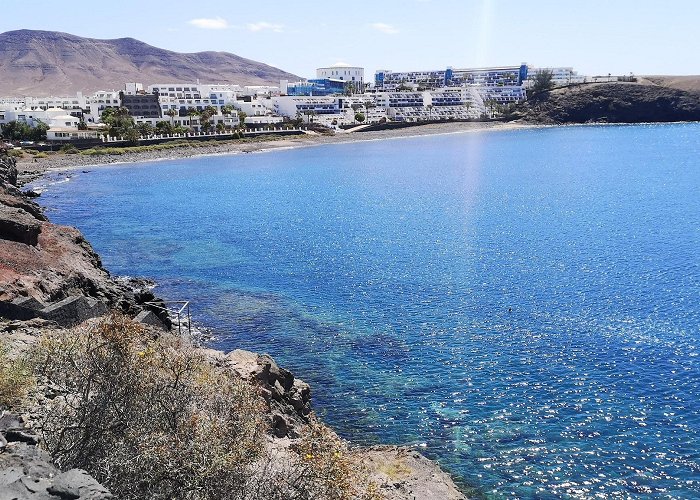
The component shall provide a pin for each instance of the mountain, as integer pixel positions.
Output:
(43, 63)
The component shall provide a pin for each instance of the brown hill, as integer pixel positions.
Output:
(42, 63)
(612, 103)
(685, 82)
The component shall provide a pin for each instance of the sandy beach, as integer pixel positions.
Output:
(31, 168)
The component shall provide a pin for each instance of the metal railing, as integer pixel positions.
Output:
(175, 312)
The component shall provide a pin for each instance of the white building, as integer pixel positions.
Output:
(76, 103)
(347, 73)
(133, 88)
(100, 101)
(502, 84)
(31, 117)
(260, 91)
(64, 134)
(257, 121)
(561, 77)
(251, 107)
(306, 106)
(53, 117)
(446, 103)
(182, 96)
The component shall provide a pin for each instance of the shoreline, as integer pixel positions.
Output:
(32, 169)
(62, 257)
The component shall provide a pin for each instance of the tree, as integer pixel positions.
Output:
(120, 122)
(205, 117)
(172, 114)
(359, 117)
(16, 131)
(227, 110)
(145, 129)
(131, 135)
(542, 82)
(39, 131)
(492, 105)
(164, 128)
(22, 131)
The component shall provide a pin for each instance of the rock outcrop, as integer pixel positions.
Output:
(50, 271)
(288, 398)
(27, 472)
(402, 472)
(612, 103)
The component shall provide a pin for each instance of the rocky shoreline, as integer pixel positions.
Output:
(47, 265)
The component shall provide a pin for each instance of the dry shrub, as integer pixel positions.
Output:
(151, 418)
(16, 379)
(328, 469)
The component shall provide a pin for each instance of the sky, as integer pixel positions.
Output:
(596, 37)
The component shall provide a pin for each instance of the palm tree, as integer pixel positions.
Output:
(192, 112)
(171, 113)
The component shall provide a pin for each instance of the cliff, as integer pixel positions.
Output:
(612, 103)
(41, 63)
(41, 263)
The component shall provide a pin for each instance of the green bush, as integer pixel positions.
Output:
(69, 149)
(91, 152)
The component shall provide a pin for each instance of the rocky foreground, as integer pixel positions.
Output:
(51, 279)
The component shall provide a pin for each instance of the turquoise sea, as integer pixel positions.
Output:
(523, 306)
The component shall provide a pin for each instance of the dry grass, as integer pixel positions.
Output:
(395, 470)
(151, 418)
(16, 379)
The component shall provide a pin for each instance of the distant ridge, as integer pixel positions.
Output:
(643, 102)
(42, 63)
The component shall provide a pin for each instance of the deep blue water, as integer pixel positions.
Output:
(523, 304)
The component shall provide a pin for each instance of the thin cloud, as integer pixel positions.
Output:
(216, 23)
(265, 26)
(387, 29)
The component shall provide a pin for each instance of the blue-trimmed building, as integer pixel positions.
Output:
(316, 87)
(426, 80)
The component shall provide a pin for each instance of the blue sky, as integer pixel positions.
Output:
(594, 36)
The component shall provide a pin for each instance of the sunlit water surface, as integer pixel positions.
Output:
(523, 305)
